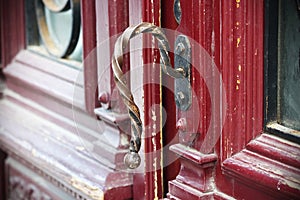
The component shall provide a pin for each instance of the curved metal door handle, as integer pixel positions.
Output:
(132, 159)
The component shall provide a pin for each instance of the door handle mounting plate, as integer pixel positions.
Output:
(183, 92)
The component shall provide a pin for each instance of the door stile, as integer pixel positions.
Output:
(112, 18)
(196, 147)
(89, 56)
(145, 70)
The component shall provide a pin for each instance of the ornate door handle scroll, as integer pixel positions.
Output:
(132, 159)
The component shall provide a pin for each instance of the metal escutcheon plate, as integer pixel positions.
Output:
(183, 92)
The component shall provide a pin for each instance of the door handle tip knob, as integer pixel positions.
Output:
(132, 160)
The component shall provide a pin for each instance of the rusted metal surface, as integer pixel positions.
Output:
(182, 60)
(132, 159)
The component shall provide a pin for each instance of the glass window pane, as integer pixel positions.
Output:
(289, 69)
(54, 29)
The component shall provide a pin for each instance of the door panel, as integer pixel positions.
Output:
(231, 34)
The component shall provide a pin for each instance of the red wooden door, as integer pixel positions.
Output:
(224, 147)
(221, 134)
(227, 77)
(220, 139)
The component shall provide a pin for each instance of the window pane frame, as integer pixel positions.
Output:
(271, 67)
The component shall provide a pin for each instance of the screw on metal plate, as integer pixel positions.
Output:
(183, 93)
